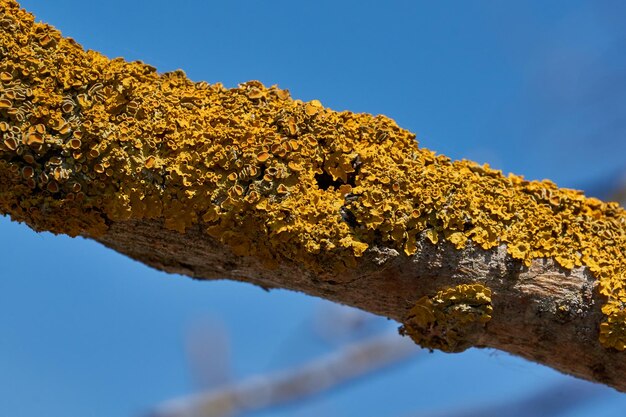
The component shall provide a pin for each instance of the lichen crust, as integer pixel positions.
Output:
(86, 141)
(449, 320)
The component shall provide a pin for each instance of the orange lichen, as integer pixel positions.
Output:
(109, 140)
(446, 320)
(613, 328)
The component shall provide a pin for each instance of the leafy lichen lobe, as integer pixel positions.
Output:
(451, 319)
(86, 141)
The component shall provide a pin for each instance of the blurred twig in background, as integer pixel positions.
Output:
(552, 401)
(264, 391)
(337, 324)
(208, 349)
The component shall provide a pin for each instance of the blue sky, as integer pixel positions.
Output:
(537, 88)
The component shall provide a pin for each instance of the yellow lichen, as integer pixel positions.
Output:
(448, 320)
(86, 140)
(613, 328)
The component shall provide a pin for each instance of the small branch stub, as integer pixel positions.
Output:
(450, 320)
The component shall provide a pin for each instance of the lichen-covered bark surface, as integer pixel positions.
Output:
(249, 184)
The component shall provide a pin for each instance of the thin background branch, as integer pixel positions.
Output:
(265, 391)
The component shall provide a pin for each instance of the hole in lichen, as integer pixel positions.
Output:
(351, 179)
(262, 169)
(356, 164)
(325, 181)
(348, 217)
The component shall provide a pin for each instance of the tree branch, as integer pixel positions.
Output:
(553, 400)
(279, 388)
(251, 185)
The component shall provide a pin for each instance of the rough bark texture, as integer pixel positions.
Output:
(544, 312)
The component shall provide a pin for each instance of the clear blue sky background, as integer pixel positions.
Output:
(533, 87)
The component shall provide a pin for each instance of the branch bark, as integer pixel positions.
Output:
(250, 185)
(543, 312)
